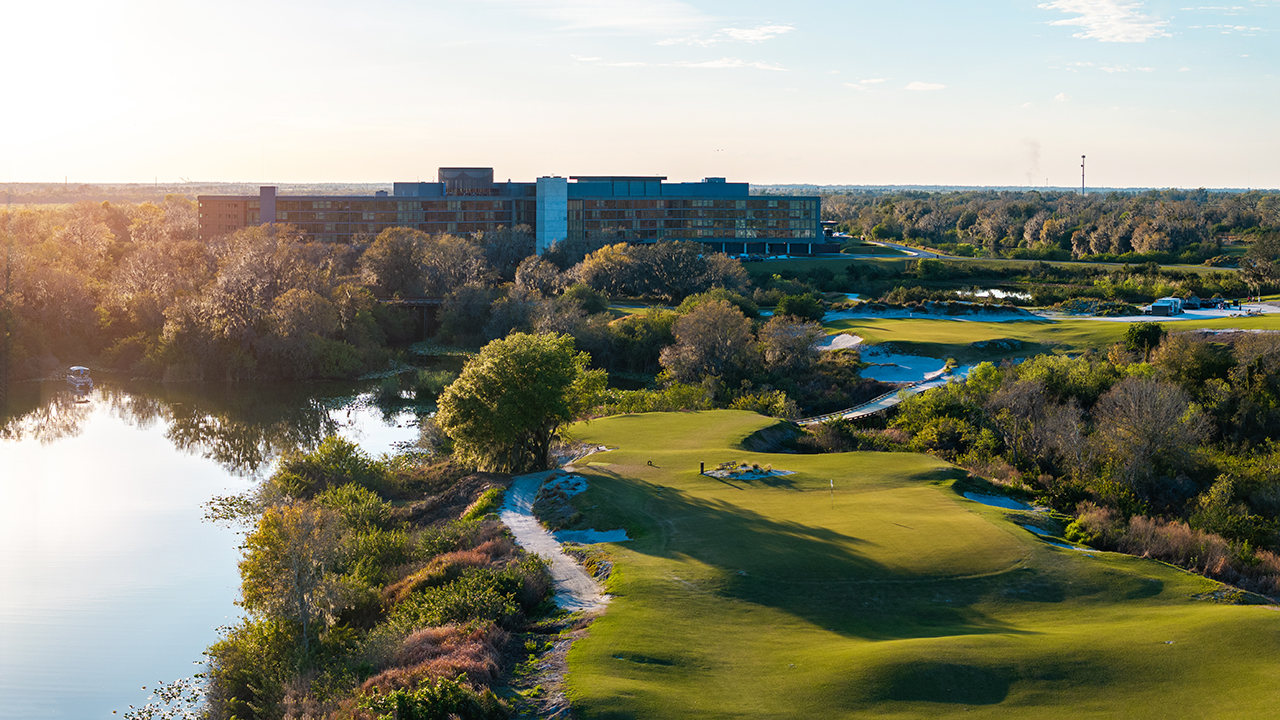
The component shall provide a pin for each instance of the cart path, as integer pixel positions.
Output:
(575, 589)
(884, 402)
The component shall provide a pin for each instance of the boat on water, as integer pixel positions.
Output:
(78, 378)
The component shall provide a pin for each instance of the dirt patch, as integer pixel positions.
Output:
(540, 675)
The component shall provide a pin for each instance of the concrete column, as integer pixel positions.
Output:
(266, 204)
(553, 212)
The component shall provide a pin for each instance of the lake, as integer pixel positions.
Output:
(110, 580)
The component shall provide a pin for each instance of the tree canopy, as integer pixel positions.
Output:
(505, 408)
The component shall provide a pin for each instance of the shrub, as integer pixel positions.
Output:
(336, 461)
(746, 305)
(806, 307)
(488, 502)
(444, 698)
(371, 554)
(442, 569)
(674, 397)
(456, 535)
(428, 384)
(592, 301)
(476, 596)
(774, 403)
(360, 507)
(1101, 527)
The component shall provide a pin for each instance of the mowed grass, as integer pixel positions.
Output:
(942, 338)
(891, 596)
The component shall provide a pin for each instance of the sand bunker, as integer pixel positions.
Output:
(999, 501)
(838, 342)
(888, 366)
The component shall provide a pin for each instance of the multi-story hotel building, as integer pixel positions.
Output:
(639, 209)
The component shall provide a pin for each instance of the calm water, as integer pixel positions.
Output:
(109, 578)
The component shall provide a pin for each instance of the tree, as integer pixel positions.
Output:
(286, 560)
(804, 307)
(611, 269)
(1146, 428)
(505, 408)
(1260, 267)
(1143, 337)
(394, 260)
(714, 340)
(789, 345)
(449, 263)
(535, 273)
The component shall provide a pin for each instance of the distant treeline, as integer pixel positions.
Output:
(69, 193)
(1187, 225)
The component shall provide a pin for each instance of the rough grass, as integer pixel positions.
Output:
(892, 596)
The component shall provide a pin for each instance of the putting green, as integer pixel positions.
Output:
(891, 595)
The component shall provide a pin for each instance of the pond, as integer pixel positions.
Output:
(993, 293)
(110, 580)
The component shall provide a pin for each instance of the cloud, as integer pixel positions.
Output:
(872, 81)
(917, 85)
(729, 63)
(1108, 20)
(1232, 29)
(1185, 69)
(614, 16)
(749, 35)
(725, 63)
(579, 58)
(758, 34)
(1027, 105)
(1062, 97)
(1125, 68)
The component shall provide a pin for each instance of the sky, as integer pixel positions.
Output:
(1006, 92)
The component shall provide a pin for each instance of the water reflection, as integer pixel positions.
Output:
(107, 573)
(241, 427)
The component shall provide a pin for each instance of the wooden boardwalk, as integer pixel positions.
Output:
(885, 401)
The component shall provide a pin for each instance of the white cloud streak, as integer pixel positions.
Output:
(1109, 20)
(615, 16)
(724, 63)
(749, 35)
(917, 85)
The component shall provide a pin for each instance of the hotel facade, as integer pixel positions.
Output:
(638, 209)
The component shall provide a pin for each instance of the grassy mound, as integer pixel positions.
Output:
(891, 595)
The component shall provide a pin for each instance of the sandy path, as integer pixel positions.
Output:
(575, 589)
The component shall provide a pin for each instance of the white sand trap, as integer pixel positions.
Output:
(999, 501)
(838, 342)
(591, 537)
(888, 366)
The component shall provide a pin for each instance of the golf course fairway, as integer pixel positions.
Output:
(890, 596)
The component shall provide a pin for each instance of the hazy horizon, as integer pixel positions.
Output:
(1006, 94)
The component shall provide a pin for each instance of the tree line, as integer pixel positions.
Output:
(1166, 225)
